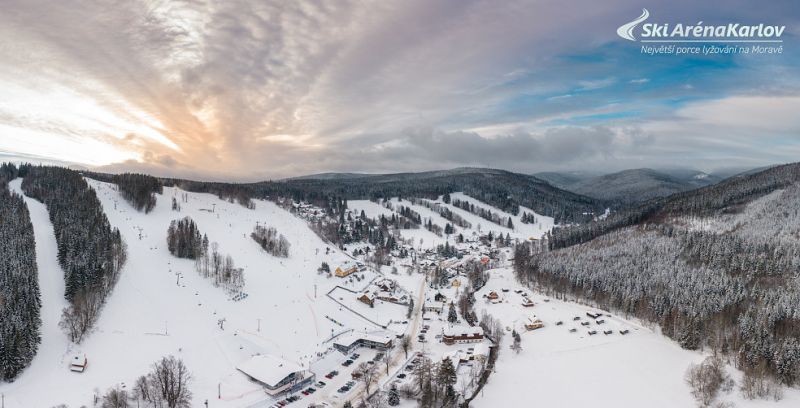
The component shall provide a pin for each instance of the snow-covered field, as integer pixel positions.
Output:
(557, 368)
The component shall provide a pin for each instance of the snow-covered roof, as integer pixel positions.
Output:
(481, 349)
(348, 339)
(463, 330)
(268, 369)
(348, 265)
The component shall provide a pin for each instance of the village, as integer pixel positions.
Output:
(417, 303)
(336, 324)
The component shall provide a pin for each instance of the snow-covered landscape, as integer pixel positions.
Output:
(415, 204)
(293, 315)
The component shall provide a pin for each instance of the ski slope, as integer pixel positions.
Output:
(54, 350)
(161, 306)
(422, 238)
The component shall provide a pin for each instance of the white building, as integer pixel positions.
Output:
(275, 374)
(375, 340)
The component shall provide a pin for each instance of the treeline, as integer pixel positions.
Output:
(501, 189)
(484, 213)
(270, 241)
(139, 189)
(407, 212)
(185, 241)
(443, 211)
(242, 194)
(568, 235)
(90, 251)
(20, 301)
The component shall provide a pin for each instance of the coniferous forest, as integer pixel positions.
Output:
(184, 240)
(716, 268)
(139, 189)
(90, 251)
(19, 286)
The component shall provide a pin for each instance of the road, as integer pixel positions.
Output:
(398, 357)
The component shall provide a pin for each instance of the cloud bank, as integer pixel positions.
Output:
(251, 90)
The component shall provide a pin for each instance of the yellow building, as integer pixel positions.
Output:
(346, 269)
(456, 283)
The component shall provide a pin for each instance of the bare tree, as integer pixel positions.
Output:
(367, 373)
(170, 378)
(706, 379)
(115, 398)
(386, 359)
(405, 343)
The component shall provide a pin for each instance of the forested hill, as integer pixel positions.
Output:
(502, 189)
(726, 196)
(637, 185)
(716, 267)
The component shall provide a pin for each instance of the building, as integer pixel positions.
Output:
(375, 340)
(534, 324)
(367, 298)
(346, 269)
(456, 283)
(462, 334)
(275, 374)
(527, 303)
(493, 295)
(78, 363)
(386, 285)
(434, 307)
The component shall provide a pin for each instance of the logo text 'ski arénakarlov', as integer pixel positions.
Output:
(699, 38)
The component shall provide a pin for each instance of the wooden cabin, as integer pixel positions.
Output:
(534, 324)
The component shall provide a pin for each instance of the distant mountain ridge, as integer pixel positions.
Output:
(503, 189)
(631, 186)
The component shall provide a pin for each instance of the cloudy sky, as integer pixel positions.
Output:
(250, 90)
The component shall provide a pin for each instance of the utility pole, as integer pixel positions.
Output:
(259, 324)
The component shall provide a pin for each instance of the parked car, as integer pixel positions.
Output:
(401, 375)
